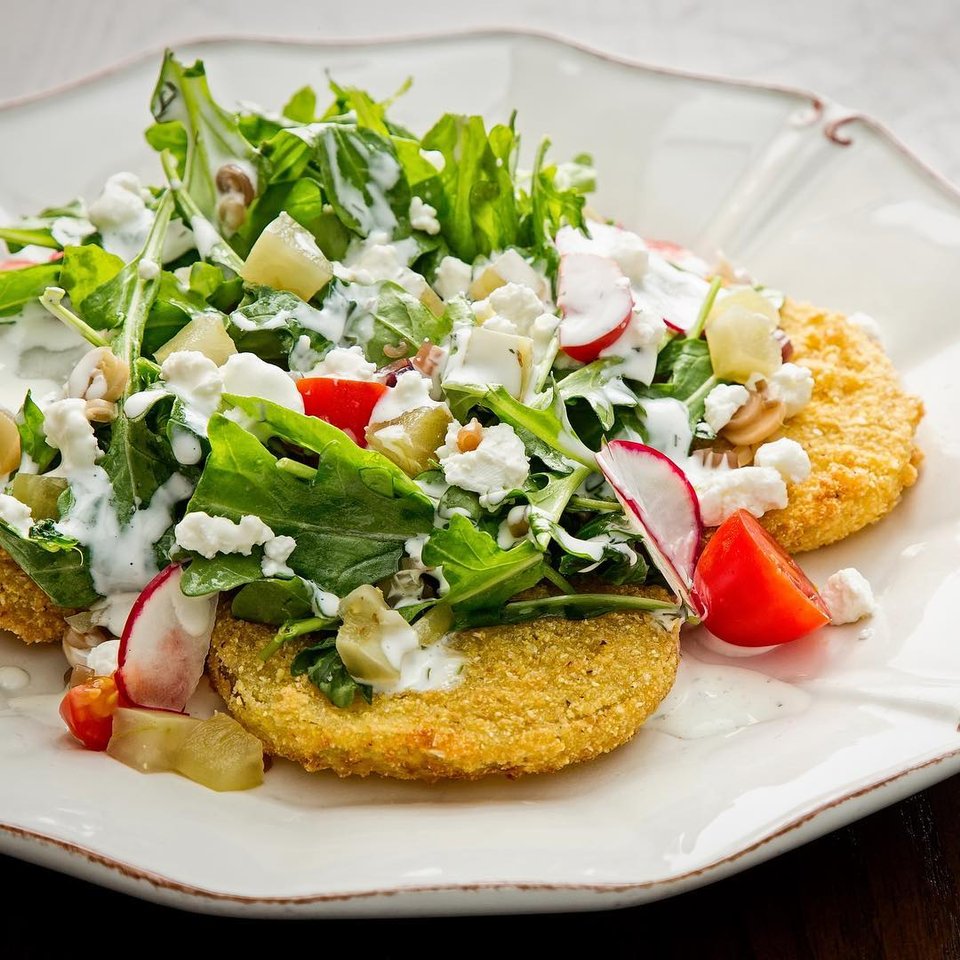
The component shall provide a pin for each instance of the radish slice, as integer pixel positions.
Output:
(595, 299)
(165, 643)
(657, 497)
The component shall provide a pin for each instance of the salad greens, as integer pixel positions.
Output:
(511, 499)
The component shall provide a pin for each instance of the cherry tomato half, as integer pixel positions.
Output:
(346, 404)
(88, 710)
(753, 592)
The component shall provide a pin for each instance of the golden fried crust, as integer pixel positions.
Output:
(25, 609)
(534, 697)
(858, 431)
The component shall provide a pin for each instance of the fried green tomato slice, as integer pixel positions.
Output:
(25, 609)
(858, 430)
(534, 697)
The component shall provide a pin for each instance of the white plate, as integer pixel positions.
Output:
(822, 204)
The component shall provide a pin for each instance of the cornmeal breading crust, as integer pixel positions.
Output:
(858, 431)
(534, 697)
(25, 609)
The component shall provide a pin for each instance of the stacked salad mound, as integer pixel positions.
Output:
(371, 389)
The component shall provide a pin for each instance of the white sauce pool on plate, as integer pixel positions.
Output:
(709, 700)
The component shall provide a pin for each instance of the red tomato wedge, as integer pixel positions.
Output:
(88, 710)
(346, 404)
(753, 592)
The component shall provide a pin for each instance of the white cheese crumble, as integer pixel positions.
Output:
(848, 596)
(208, 535)
(722, 402)
(67, 428)
(148, 269)
(410, 393)
(512, 308)
(345, 363)
(866, 323)
(785, 456)
(453, 277)
(423, 217)
(722, 491)
(86, 380)
(122, 216)
(194, 379)
(793, 385)
(498, 465)
(15, 514)
(246, 375)
(103, 658)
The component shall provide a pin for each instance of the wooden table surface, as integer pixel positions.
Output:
(886, 888)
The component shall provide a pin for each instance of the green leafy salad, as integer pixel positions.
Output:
(368, 385)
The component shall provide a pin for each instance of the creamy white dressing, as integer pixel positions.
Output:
(122, 558)
(37, 353)
(711, 700)
(668, 427)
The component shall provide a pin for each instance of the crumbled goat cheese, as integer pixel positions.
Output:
(453, 277)
(848, 596)
(197, 382)
(67, 428)
(513, 308)
(722, 491)
(103, 658)
(15, 514)
(148, 270)
(793, 385)
(276, 552)
(498, 465)
(246, 375)
(722, 402)
(868, 325)
(423, 217)
(785, 456)
(345, 363)
(410, 393)
(209, 535)
(121, 215)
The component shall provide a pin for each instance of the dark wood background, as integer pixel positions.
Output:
(886, 888)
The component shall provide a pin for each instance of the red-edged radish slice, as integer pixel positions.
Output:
(165, 643)
(596, 304)
(658, 499)
(673, 327)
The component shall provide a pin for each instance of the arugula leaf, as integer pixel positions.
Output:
(199, 133)
(400, 319)
(85, 269)
(579, 606)
(477, 209)
(479, 572)
(171, 310)
(272, 321)
(33, 440)
(302, 106)
(362, 178)
(62, 573)
(684, 372)
(225, 571)
(600, 387)
(273, 601)
(19, 287)
(350, 521)
(552, 205)
(544, 429)
(302, 199)
(325, 670)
